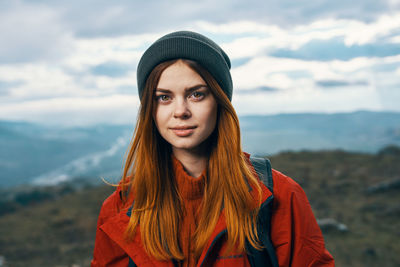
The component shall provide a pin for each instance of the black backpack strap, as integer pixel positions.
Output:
(264, 171)
(131, 263)
(267, 256)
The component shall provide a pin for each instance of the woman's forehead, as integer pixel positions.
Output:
(179, 75)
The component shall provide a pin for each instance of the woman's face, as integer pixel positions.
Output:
(186, 110)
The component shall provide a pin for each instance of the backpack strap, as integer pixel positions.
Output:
(267, 256)
(131, 263)
(264, 171)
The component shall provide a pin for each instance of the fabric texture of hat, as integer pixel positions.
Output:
(187, 45)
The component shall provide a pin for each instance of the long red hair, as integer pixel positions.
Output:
(148, 175)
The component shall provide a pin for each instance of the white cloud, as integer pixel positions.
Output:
(268, 37)
(274, 72)
(238, 28)
(113, 109)
(362, 33)
(70, 76)
(253, 46)
(94, 51)
(40, 81)
(112, 83)
(32, 32)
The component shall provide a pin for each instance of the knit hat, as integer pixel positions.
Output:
(187, 45)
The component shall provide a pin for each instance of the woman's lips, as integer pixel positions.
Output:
(183, 131)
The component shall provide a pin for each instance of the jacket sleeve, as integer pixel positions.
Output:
(295, 234)
(106, 251)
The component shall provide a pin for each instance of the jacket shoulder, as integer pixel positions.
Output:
(289, 195)
(295, 232)
(106, 251)
(283, 184)
(112, 205)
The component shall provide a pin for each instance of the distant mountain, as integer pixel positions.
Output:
(360, 131)
(31, 153)
(40, 154)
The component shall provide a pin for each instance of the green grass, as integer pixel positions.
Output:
(336, 184)
(53, 233)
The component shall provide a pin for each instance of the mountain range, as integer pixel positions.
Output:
(41, 154)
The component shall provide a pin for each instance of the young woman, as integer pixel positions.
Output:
(189, 195)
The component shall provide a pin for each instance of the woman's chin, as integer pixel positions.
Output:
(184, 147)
(188, 147)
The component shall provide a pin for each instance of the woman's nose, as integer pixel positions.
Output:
(181, 109)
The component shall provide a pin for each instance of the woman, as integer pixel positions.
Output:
(189, 196)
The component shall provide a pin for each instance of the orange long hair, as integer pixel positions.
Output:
(148, 175)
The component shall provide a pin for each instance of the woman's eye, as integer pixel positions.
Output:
(162, 98)
(198, 95)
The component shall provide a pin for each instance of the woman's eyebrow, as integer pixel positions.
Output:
(196, 87)
(163, 90)
(189, 89)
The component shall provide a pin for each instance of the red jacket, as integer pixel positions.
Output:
(295, 235)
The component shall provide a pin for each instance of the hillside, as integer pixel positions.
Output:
(355, 196)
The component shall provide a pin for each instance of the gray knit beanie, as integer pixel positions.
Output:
(187, 45)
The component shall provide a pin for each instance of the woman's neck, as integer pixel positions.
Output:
(193, 162)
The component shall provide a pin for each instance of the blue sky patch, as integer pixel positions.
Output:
(326, 50)
(6, 86)
(340, 83)
(111, 69)
(239, 62)
(265, 89)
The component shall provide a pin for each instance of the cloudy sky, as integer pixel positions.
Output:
(74, 62)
